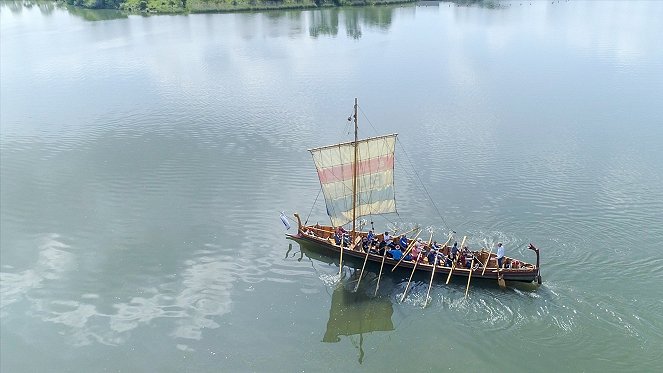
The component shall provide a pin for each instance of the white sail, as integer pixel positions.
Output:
(375, 177)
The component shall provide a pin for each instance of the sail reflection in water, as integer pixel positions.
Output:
(355, 313)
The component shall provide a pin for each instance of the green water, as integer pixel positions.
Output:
(145, 161)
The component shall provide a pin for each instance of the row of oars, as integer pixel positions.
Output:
(430, 284)
(384, 255)
(366, 259)
(415, 268)
(453, 264)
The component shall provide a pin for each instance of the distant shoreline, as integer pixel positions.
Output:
(218, 6)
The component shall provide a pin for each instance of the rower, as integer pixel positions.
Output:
(388, 240)
(370, 237)
(403, 241)
(365, 244)
(432, 254)
(454, 251)
(395, 253)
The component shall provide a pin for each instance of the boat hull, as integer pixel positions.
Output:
(325, 247)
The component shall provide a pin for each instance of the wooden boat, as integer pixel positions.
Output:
(357, 180)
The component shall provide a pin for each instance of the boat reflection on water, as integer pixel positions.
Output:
(356, 313)
(353, 313)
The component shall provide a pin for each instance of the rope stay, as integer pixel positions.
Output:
(423, 185)
(314, 202)
(407, 156)
(410, 174)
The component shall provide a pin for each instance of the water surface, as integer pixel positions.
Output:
(145, 160)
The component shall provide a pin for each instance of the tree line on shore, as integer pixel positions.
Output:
(182, 6)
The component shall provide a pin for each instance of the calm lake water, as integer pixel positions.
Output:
(145, 161)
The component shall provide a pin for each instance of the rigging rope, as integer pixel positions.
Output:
(314, 202)
(413, 170)
(423, 185)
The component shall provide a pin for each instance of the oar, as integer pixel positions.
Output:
(377, 286)
(411, 230)
(384, 255)
(453, 265)
(469, 277)
(487, 261)
(474, 253)
(320, 230)
(500, 280)
(415, 268)
(448, 240)
(357, 242)
(340, 263)
(430, 284)
(500, 274)
(362, 269)
(412, 274)
(409, 247)
(430, 239)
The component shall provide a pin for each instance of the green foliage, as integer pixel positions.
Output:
(96, 4)
(179, 6)
(153, 6)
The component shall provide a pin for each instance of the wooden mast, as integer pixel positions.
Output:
(354, 181)
(354, 198)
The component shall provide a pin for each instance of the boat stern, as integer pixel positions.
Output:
(538, 267)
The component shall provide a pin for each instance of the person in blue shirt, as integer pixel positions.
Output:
(370, 236)
(337, 238)
(404, 241)
(395, 253)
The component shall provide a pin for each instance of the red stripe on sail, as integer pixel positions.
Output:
(365, 167)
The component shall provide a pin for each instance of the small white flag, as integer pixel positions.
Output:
(284, 219)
